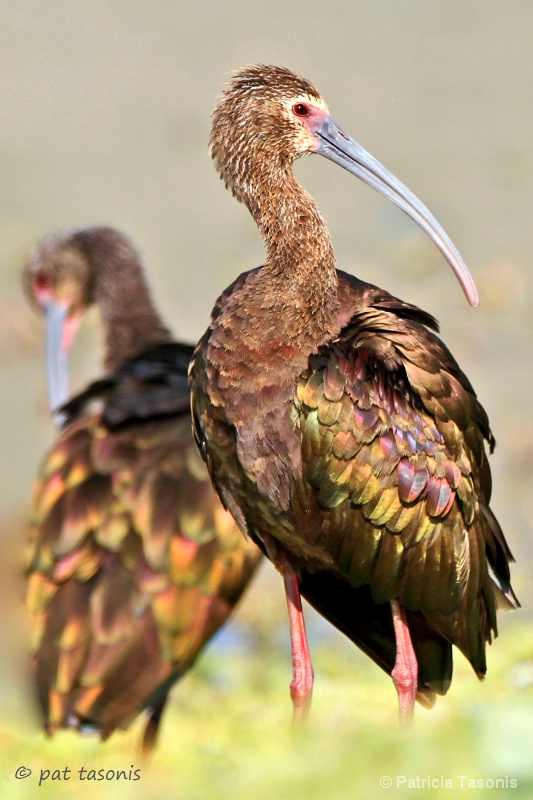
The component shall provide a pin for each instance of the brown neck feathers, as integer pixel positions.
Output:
(130, 321)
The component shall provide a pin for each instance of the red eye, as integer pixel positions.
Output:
(42, 283)
(42, 288)
(301, 110)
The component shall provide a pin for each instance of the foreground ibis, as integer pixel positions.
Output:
(338, 429)
(134, 563)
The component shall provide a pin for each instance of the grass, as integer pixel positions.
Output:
(228, 734)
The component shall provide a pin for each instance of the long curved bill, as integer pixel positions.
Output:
(339, 147)
(56, 359)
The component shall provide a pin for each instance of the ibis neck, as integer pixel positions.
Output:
(299, 278)
(130, 321)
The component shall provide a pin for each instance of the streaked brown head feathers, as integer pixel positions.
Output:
(253, 117)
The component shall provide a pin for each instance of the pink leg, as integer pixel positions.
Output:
(405, 672)
(302, 669)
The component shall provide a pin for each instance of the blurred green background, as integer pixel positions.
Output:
(105, 119)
